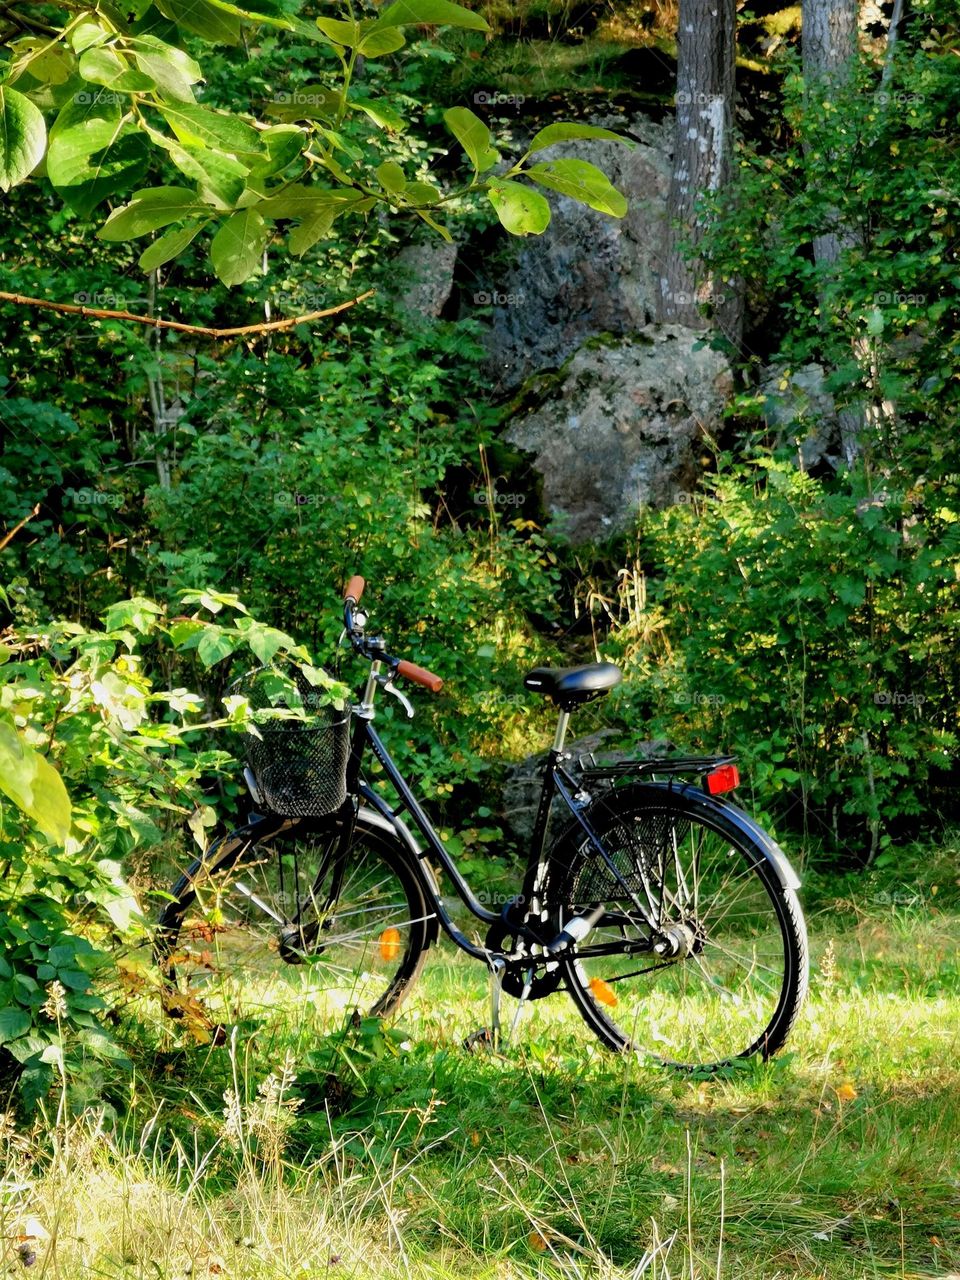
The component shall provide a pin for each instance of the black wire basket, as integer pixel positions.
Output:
(299, 765)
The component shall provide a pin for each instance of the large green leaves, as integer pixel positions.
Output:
(193, 124)
(431, 12)
(173, 70)
(206, 20)
(149, 211)
(520, 209)
(23, 136)
(474, 136)
(14, 1022)
(95, 150)
(33, 784)
(168, 246)
(583, 181)
(567, 130)
(237, 249)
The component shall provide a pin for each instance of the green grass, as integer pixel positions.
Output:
(838, 1160)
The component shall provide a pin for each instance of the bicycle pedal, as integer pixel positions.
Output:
(480, 1039)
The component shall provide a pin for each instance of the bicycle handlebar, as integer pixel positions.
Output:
(419, 675)
(409, 670)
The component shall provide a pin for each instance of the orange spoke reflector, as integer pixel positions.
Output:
(390, 944)
(603, 993)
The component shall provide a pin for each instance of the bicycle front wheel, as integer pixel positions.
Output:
(286, 924)
(735, 985)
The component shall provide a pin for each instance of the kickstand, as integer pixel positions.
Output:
(497, 967)
(527, 984)
(489, 1037)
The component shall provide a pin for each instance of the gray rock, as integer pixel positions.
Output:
(618, 428)
(424, 275)
(588, 273)
(798, 405)
(520, 794)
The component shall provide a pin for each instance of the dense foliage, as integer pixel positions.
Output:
(803, 607)
(800, 608)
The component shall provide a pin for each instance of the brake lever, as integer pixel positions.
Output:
(390, 687)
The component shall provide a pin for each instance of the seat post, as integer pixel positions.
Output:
(560, 735)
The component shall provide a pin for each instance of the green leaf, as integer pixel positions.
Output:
(138, 612)
(301, 201)
(282, 21)
(205, 20)
(33, 784)
(168, 246)
(173, 70)
(520, 209)
(149, 211)
(86, 34)
(390, 176)
(433, 12)
(311, 230)
(379, 41)
(102, 66)
(422, 193)
(199, 125)
(222, 177)
(23, 136)
(266, 641)
(41, 59)
(13, 1023)
(342, 33)
(237, 248)
(215, 645)
(581, 181)
(94, 152)
(284, 142)
(474, 136)
(383, 116)
(106, 67)
(565, 130)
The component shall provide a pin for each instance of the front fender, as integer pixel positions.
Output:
(379, 817)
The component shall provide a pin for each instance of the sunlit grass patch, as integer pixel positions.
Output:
(836, 1161)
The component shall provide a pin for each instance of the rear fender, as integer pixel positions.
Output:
(732, 813)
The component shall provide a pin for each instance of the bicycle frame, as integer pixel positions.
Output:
(556, 782)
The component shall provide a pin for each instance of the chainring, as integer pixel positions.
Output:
(545, 981)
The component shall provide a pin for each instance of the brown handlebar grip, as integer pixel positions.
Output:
(354, 589)
(419, 675)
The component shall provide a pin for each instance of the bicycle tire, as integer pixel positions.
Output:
(752, 966)
(218, 943)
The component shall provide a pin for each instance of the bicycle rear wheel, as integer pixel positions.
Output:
(737, 984)
(277, 924)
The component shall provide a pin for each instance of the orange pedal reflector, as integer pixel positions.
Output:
(602, 991)
(390, 944)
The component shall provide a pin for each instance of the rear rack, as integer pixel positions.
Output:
(590, 770)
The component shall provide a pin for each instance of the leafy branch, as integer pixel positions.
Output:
(120, 99)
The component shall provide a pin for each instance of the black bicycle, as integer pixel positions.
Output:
(665, 912)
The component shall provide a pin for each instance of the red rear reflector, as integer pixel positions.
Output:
(723, 778)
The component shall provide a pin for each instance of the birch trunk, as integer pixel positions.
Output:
(702, 159)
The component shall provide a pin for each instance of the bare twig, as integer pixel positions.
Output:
(100, 314)
(8, 538)
(26, 23)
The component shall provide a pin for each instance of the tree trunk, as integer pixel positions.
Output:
(829, 38)
(702, 156)
(829, 42)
